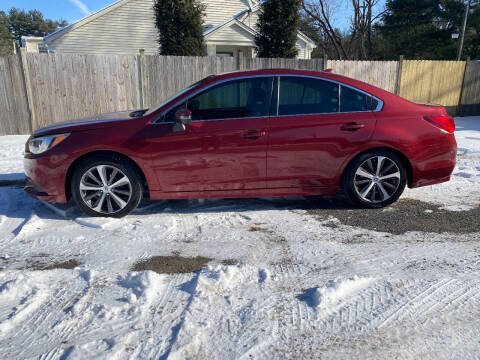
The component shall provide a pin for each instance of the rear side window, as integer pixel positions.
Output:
(307, 96)
(354, 101)
(233, 100)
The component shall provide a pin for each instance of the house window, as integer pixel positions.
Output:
(225, 54)
(42, 48)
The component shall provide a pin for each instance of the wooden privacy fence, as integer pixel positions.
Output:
(14, 114)
(383, 74)
(68, 87)
(165, 76)
(42, 89)
(433, 82)
(470, 103)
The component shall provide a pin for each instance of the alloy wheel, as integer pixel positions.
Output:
(105, 189)
(377, 179)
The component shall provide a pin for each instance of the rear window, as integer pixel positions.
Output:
(354, 101)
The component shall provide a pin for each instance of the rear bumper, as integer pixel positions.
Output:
(45, 178)
(430, 182)
(434, 164)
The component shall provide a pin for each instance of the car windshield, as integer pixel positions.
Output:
(155, 108)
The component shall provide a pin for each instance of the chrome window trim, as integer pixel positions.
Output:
(156, 121)
(339, 98)
(378, 108)
(278, 95)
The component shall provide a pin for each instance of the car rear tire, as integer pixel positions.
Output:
(375, 179)
(106, 186)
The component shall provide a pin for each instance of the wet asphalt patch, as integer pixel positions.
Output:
(37, 265)
(404, 216)
(39, 262)
(171, 264)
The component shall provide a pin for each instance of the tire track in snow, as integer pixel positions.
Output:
(455, 299)
(190, 287)
(25, 334)
(413, 306)
(219, 315)
(165, 316)
(81, 317)
(421, 304)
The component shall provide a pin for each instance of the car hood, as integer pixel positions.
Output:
(96, 122)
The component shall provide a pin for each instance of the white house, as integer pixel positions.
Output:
(33, 44)
(128, 25)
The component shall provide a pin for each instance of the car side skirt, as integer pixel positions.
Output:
(250, 193)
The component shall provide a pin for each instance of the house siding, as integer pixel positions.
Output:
(218, 11)
(250, 19)
(231, 34)
(127, 27)
(123, 30)
(302, 51)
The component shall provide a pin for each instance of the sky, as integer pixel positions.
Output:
(70, 10)
(73, 10)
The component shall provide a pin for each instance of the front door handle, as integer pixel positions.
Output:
(352, 126)
(253, 134)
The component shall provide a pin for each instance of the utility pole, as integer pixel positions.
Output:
(464, 27)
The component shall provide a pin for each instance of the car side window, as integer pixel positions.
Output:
(355, 101)
(300, 95)
(233, 100)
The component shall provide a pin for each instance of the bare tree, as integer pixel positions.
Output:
(321, 12)
(362, 22)
(357, 44)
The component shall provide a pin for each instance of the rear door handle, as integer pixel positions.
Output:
(253, 134)
(352, 126)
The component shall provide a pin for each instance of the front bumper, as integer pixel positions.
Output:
(45, 178)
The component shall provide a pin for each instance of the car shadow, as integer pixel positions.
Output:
(14, 179)
(243, 205)
(412, 215)
(17, 204)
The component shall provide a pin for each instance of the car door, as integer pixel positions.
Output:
(318, 123)
(225, 146)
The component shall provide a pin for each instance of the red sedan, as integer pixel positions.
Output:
(258, 133)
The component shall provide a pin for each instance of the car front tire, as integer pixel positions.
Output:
(106, 186)
(375, 179)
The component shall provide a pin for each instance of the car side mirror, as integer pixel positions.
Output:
(178, 127)
(183, 116)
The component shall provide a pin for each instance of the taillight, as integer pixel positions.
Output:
(446, 123)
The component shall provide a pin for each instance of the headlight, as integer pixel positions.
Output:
(41, 144)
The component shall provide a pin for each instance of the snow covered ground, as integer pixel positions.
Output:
(11, 156)
(288, 278)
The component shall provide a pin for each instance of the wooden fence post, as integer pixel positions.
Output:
(459, 110)
(240, 62)
(399, 75)
(143, 79)
(325, 62)
(22, 58)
